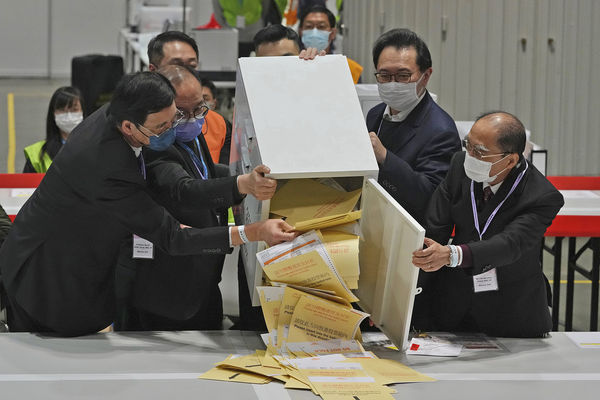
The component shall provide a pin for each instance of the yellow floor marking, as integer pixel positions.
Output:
(10, 160)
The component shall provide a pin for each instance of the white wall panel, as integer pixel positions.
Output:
(83, 27)
(24, 32)
(496, 54)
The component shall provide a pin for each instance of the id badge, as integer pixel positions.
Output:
(142, 248)
(485, 282)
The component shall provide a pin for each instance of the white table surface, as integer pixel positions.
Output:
(153, 365)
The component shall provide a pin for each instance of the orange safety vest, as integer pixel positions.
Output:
(214, 131)
(355, 69)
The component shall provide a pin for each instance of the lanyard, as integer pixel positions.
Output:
(198, 161)
(491, 217)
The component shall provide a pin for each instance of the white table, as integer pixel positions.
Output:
(166, 364)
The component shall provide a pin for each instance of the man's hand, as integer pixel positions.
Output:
(272, 231)
(256, 184)
(378, 148)
(311, 53)
(434, 257)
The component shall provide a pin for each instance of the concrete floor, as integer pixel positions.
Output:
(31, 97)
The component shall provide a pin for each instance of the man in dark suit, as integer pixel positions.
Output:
(58, 262)
(196, 192)
(412, 137)
(490, 279)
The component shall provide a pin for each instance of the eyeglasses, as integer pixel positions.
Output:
(179, 116)
(477, 152)
(385, 77)
(198, 113)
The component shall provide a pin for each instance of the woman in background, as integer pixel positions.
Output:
(64, 114)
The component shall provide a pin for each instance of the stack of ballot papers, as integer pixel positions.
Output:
(332, 376)
(308, 204)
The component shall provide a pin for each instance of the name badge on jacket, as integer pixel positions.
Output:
(485, 282)
(142, 248)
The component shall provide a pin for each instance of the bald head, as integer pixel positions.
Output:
(188, 89)
(504, 129)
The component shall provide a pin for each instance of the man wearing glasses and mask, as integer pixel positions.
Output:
(489, 280)
(197, 192)
(412, 137)
(58, 262)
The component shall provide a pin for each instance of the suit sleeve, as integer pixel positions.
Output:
(168, 177)
(125, 198)
(438, 221)
(413, 187)
(519, 235)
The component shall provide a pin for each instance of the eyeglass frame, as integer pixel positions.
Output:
(476, 152)
(177, 118)
(395, 77)
(203, 106)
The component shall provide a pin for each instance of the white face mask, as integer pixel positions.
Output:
(68, 121)
(399, 96)
(479, 170)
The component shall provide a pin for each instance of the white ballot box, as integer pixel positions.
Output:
(303, 119)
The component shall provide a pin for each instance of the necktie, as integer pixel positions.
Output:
(142, 165)
(487, 194)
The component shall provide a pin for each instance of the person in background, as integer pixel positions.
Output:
(209, 93)
(317, 30)
(177, 48)
(489, 279)
(64, 114)
(276, 40)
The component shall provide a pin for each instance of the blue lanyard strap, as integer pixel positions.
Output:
(198, 161)
(491, 217)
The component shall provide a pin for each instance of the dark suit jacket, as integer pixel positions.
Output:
(59, 259)
(511, 244)
(176, 184)
(418, 154)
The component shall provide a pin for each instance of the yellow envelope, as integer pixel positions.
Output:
(326, 222)
(309, 270)
(270, 301)
(352, 391)
(288, 303)
(315, 319)
(223, 374)
(294, 383)
(343, 249)
(304, 199)
(389, 371)
(250, 363)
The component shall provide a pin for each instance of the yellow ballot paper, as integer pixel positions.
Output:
(309, 270)
(270, 301)
(288, 304)
(388, 372)
(228, 375)
(343, 249)
(304, 199)
(327, 222)
(250, 363)
(315, 319)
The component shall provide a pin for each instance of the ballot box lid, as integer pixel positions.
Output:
(388, 280)
(305, 115)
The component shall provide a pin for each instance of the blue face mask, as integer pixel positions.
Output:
(162, 142)
(316, 38)
(189, 130)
